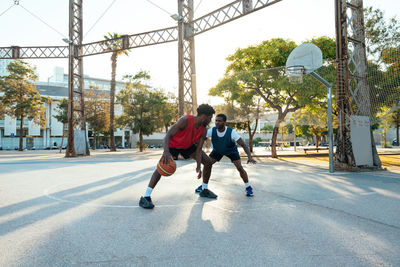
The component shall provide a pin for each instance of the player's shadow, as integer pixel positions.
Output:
(67, 199)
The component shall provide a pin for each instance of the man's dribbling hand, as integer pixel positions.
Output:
(166, 157)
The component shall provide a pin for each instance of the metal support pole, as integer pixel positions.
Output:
(330, 128)
(75, 82)
(181, 97)
(187, 93)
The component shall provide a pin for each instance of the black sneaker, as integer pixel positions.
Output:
(198, 189)
(207, 193)
(146, 203)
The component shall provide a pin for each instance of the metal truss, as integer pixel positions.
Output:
(228, 13)
(132, 41)
(128, 42)
(76, 103)
(186, 59)
(15, 52)
(188, 28)
(184, 34)
(352, 86)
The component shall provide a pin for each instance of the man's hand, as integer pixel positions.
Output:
(166, 157)
(251, 160)
(198, 170)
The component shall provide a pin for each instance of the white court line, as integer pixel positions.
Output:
(51, 196)
(208, 203)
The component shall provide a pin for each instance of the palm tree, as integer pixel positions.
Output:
(112, 43)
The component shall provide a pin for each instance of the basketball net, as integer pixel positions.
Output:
(295, 74)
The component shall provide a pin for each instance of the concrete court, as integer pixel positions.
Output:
(57, 211)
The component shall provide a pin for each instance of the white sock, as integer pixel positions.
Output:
(246, 184)
(148, 192)
(204, 186)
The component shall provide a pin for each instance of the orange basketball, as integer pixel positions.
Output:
(166, 169)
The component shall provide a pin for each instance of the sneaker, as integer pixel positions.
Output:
(146, 203)
(198, 189)
(207, 193)
(249, 191)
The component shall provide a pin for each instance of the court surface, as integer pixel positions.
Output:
(57, 211)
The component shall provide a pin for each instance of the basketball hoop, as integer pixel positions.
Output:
(295, 74)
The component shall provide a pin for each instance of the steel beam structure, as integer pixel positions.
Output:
(184, 34)
(187, 94)
(76, 103)
(228, 13)
(16, 52)
(160, 36)
(352, 85)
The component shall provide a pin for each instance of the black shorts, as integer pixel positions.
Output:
(184, 152)
(233, 157)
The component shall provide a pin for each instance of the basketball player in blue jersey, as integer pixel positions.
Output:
(224, 139)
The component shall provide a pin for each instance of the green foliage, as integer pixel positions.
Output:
(257, 141)
(379, 32)
(256, 72)
(228, 109)
(97, 110)
(21, 99)
(268, 128)
(112, 43)
(62, 111)
(237, 125)
(327, 46)
(387, 145)
(2, 109)
(143, 108)
(311, 121)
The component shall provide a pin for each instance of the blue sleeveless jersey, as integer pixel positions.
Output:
(223, 145)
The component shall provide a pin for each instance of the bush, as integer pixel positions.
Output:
(144, 146)
(256, 141)
(388, 145)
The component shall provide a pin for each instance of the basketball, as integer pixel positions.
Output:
(166, 169)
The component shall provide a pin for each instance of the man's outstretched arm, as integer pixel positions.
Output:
(247, 150)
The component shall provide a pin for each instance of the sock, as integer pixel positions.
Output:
(148, 192)
(246, 184)
(204, 186)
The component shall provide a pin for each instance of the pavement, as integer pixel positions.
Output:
(57, 211)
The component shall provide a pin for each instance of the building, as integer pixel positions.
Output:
(36, 137)
(61, 78)
(3, 66)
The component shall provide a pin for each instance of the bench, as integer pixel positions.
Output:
(315, 149)
(279, 144)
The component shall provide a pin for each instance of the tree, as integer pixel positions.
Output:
(247, 102)
(21, 99)
(97, 107)
(2, 109)
(268, 128)
(316, 120)
(169, 111)
(394, 119)
(62, 116)
(257, 70)
(384, 121)
(141, 107)
(379, 32)
(228, 109)
(112, 43)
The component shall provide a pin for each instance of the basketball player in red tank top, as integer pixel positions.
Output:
(185, 137)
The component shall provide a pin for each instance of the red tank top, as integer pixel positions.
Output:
(187, 137)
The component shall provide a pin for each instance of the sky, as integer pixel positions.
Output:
(298, 20)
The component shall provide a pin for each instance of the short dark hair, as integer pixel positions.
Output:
(223, 116)
(205, 109)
